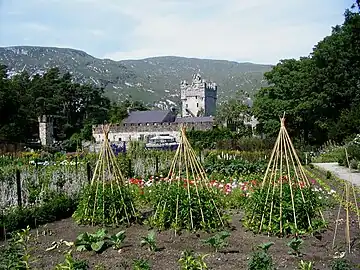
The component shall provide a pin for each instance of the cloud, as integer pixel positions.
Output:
(33, 26)
(262, 31)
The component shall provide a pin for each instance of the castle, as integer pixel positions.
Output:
(198, 110)
(198, 98)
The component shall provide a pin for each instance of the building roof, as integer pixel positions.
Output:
(143, 117)
(203, 119)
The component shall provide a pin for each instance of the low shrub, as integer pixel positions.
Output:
(279, 208)
(106, 204)
(60, 206)
(175, 209)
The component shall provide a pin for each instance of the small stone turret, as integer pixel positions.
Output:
(46, 130)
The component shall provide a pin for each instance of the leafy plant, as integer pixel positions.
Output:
(210, 206)
(141, 264)
(117, 239)
(260, 259)
(307, 206)
(295, 244)
(110, 204)
(149, 241)
(189, 261)
(91, 241)
(17, 255)
(72, 264)
(100, 266)
(218, 240)
(340, 264)
(303, 265)
(60, 206)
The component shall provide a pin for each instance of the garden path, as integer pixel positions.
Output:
(341, 172)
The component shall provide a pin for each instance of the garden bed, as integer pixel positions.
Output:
(235, 256)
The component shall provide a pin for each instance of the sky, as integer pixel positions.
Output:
(258, 31)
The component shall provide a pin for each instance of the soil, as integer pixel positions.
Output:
(234, 256)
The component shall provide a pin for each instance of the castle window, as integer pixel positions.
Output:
(187, 105)
(119, 139)
(197, 105)
(195, 97)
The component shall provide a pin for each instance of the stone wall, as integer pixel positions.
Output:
(142, 132)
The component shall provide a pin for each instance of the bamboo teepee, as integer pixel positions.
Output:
(188, 201)
(107, 200)
(349, 204)
(283, 191)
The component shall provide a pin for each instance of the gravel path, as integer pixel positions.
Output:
(340, 172)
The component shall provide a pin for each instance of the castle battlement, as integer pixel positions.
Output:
(199, 97)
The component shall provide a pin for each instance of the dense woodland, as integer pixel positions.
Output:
(75, 107)
(320, 94)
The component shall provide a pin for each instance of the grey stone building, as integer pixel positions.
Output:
(199, 97)
(143, 125)
(198, 108)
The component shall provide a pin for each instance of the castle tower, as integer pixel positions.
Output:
(46, 130)
(198, 98)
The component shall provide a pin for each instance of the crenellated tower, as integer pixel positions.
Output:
(198, 98)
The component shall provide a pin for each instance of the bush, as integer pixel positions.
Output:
(59, 207)
(256, 210)
(173, 206)
(105, 204)
(234, 167)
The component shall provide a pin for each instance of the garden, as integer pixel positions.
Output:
(183, 209)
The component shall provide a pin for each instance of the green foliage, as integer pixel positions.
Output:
(332, 155)
(303, 265)
(295, 244)
(319, 93)
(307, 206)
(24, 99)
(245, 143)
(341, 264)
(208, 139)
(59, 207)
(141, 264)
(91, 241)
(17, 254)
(149, 241)
(71, 264)
(117, 239)
(252, 156)
(189, 261)
(217, 241)
(167, 195)
(260, 259)
(234, 167)
(105, 204)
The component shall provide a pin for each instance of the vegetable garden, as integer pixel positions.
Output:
(177, 210)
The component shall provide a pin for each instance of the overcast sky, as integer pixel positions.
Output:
(259, 31)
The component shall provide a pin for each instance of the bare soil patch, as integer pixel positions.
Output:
(235, 256)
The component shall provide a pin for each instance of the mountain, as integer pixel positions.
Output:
(153, 80)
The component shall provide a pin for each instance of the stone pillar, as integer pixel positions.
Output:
(46, 130)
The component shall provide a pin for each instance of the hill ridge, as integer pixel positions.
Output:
(154, 80)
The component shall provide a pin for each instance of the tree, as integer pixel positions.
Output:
(315, 91)
(233, 112)
(23, 99)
